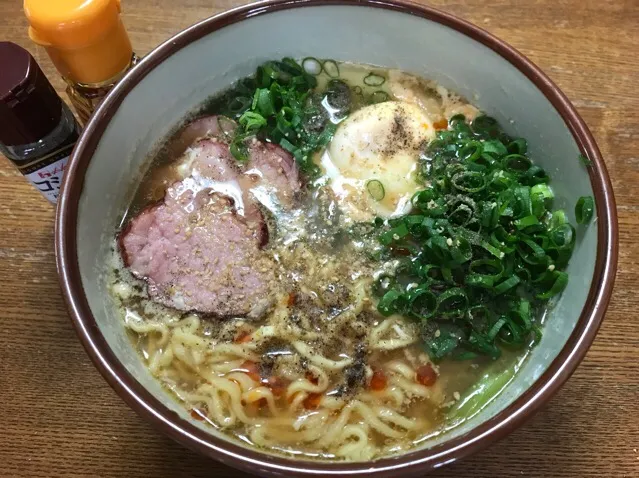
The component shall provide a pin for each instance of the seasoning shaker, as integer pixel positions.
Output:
(87, 43)
(37, 129)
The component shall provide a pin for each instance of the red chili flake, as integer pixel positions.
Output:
(441, 124)
(243, 337)
(250, 368)
(312, 401)
(277, 385)
(312, 378)
(378, 380)
(426, 375)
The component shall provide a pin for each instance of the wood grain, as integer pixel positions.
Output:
(58, 417)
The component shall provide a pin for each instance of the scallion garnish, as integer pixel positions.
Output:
(238, 148)
(376, 189)
(330, 68)
(482, 247)
(279, 104)
(373, 79)
(252, 121)
(239, 104)
(584, 209)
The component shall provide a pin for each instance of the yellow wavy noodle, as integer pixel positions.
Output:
(393, 333)
(305, 385)
(393, 396)
(221, 368)
(224, 352)
(355, 443)
(319, 360)
(332, 431)
(206, 373)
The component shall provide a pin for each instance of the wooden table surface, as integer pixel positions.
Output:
(58, 417)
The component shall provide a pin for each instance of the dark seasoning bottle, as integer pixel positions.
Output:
(37, 129)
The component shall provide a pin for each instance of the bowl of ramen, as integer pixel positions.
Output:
(371, 254)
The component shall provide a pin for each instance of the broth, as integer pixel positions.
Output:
(322, 373)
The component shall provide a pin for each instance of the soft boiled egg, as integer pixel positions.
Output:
(377, 145)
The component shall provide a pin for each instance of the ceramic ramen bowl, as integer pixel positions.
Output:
(206, 58)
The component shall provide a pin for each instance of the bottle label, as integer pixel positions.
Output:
(46, 173)
(47, 180)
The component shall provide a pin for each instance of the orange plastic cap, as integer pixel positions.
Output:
(85, 38)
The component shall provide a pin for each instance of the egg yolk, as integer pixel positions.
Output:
(380, 142)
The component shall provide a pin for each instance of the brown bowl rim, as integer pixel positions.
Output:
(419, 461)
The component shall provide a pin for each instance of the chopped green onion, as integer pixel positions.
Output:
(252, 121)
(516, 163)
(517, 146)
(238, 149)
(239, 104)
(559, 284)
(376, 189)
(470, 151)
(373, 79)
(443, 343)
(558, 218)
(452, 302)
(526, 222)
(584, 209)
(493, 250)
(330, 68)
(262, 102)
(390, 303)
(562, 236)
(278, 104)
(288, 146)
(485, 127)
(469, 181)
(394, 234)
(495, 147)
(507, 284)
(541, 197)
(422, 303)
(545, 191)
(481, 241)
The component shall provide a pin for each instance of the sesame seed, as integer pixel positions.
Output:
(551, 267)
(438, 333)
(456, 396)
(449, 241)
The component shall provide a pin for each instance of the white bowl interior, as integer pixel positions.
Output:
(357, 34)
